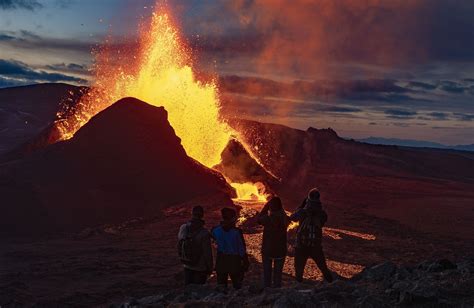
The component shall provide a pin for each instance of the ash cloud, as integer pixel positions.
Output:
(373, 31)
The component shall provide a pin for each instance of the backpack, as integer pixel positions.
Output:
(309, 233)
(189, 248)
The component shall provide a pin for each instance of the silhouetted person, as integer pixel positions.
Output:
(232, 259)
(311, 218)
(194, 248)
(274, 244)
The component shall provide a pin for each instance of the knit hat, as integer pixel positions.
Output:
(314, 195)
(198, 212)
(228, 214)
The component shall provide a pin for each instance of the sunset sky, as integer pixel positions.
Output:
(400, 69)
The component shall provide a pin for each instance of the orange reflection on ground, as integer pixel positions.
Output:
(336, 234)
(346, 270)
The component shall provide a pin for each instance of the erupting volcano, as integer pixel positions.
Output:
(159, 71)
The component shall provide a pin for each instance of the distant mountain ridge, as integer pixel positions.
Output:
(416, 143)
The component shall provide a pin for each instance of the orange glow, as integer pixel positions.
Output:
(250, 191)
(158, 72)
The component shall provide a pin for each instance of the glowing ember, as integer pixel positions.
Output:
(158, 72)
(250, 191)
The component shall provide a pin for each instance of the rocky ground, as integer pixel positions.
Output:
(429, 284)
(134, 264)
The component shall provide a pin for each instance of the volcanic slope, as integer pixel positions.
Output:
(125, 162)
(25, 111)
(430, 190)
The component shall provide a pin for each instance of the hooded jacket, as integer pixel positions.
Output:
(195, 225)
(275, 224)
(310, 208)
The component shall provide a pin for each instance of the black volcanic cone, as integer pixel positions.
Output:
(126, 161)
(239, 166)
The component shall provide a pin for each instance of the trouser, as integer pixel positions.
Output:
(194, 277)
(272, 267)
(229, 266)
(316, 253)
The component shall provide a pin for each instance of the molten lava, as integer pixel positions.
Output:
(158, 72)
(250, 191)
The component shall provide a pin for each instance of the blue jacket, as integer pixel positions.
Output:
(230, 241)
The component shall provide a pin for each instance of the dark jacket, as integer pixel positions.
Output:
(314, 208)
(275, 224)
(205, 263)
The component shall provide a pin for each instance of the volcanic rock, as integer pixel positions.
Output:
(125, 162)
(422, 288)
(239, 166)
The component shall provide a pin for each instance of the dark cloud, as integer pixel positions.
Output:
(69, 68)
(341, 109)
(453, 87)
(373, 89)
(438, 115)
(463, 116)
(29, 35)
(6, 37)
(20, 4)
(400, 113)
(8, 82)
(15, 70)
(421, 85)
(28, 40)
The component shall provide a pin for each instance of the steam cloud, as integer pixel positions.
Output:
(308, 37)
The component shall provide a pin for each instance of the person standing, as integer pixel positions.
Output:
(274, 242)
(194, 249)
(231, 260)
(311, 218)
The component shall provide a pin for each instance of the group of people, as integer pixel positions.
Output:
(195, 244)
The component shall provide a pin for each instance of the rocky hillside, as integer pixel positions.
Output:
(125, 162)
(26, 111)
(428, 284)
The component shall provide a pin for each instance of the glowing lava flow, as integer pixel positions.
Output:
(159, 72)
(250, 191)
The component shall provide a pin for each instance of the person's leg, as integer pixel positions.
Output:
(222, 279)
(200, 277)
(317, 255)
(278, 271)
(188, 276)
(301, 257)
(237, 279)
(267, 272)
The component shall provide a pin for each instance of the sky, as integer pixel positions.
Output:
(396, 69)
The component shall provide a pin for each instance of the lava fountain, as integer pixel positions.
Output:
(158, 71)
